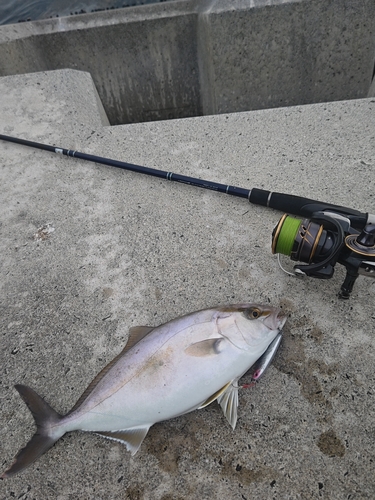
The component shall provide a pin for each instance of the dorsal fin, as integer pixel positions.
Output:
(135, 335)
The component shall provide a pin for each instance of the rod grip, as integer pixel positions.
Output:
(304, 207)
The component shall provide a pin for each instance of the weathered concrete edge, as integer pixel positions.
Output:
(9, 32)
(101, 111)
(138, 13)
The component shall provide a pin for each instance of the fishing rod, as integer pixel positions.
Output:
(327, 235)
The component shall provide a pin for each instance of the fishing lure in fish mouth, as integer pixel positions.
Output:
(163, 372)
(260, 366)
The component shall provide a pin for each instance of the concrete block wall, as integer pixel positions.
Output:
(266, 54)
(191, 57)
(143, 60)
(187, 58)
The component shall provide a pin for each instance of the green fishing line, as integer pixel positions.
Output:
(287, 235)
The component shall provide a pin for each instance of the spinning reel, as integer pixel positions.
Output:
(322, 241)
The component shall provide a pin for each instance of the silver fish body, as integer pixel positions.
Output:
(163, 372)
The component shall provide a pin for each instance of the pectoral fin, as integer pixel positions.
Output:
(207, 347)
(132, 438)
(228, 401)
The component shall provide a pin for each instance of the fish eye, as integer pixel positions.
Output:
(253, 313)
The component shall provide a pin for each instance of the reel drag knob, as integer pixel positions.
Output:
(363, 243)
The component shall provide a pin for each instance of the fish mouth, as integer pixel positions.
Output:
(281, 318)
(275, 320)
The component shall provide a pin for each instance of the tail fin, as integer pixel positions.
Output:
(44, 417)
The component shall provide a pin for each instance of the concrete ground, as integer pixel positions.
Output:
(88, 251)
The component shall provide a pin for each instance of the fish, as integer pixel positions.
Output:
(162, 372)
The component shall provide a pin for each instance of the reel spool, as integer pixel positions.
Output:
(302, 240)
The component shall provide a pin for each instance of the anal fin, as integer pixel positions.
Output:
(132, 438)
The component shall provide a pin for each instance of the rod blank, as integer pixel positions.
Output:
(296, 205)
